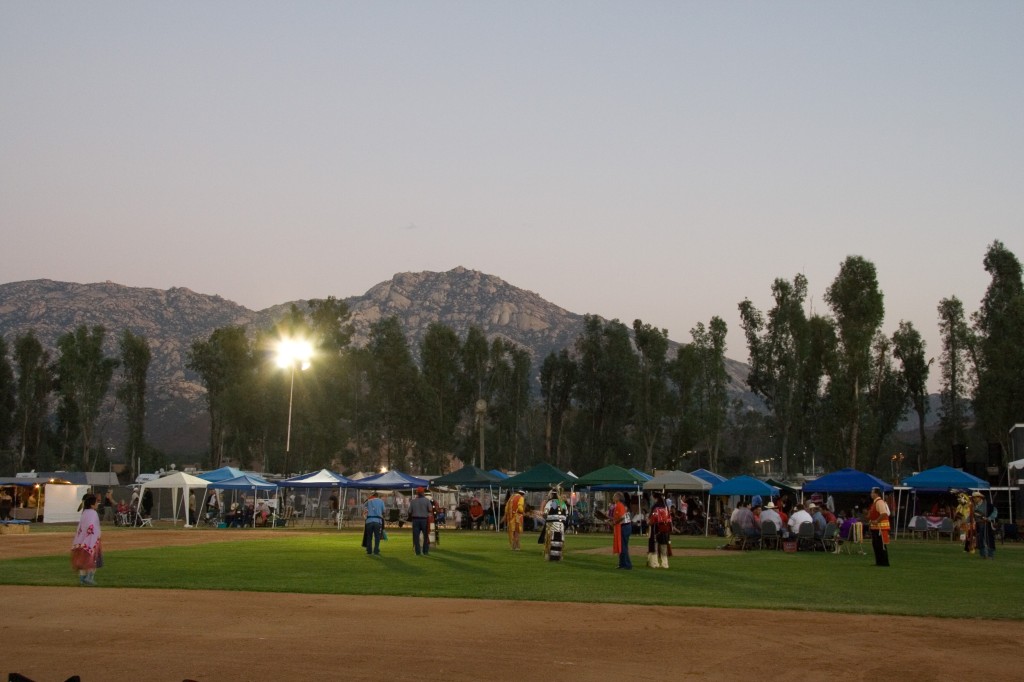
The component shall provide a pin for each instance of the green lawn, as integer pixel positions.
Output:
(928, 578)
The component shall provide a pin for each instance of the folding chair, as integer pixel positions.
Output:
(830, 538)
(856, 538)
(769, 534)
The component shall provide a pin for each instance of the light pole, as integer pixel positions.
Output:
(481, 414)
(292, 353)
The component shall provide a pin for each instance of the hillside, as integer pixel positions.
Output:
(171, 320)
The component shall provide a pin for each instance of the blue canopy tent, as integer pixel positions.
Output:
(320, 479)
(222, 474)
(390, 480)
(743, 485)
(709, 476)
(943, 479)
(244, 482)
(499, 473)
(846, 481)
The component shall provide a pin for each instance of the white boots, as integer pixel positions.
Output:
(659, 560)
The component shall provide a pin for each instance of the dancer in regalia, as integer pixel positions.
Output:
(878, 519)
(515, 508)
(555, 515)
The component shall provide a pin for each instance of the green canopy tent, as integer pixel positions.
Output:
(473, 477)
(541, 477)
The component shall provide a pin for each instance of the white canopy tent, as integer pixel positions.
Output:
(177, 482)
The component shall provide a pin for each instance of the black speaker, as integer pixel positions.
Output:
(959, 455)
(995, 454)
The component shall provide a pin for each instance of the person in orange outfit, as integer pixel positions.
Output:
(622, 525)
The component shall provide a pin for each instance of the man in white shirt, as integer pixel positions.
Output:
(800, 516)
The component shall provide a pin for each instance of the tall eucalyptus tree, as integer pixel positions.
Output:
(909, 349)
(84, 374)
(999, 329)
(34, 385)
(858, 308)
(135, 359)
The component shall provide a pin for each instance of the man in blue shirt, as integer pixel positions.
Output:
(374, 510)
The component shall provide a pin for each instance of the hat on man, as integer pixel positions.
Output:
(977, 493)
(811, 505)
(770, 505)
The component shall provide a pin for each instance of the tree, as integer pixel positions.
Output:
(440, 360)
(712, 400)
(886, 400)
(954, 364)
(8, 391)
(999, 328)
(135, 359)
(606, 366)
(34, 386)
(396, 392)
(650, 397)
(780, 352)
(226, 365)
(858, 307)
(509, 379)
(557, 382)
(909, 349)
(84, 375)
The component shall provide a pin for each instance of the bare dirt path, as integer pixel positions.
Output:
(126, 634)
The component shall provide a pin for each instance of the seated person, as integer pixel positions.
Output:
(799, 517)
(476, 513)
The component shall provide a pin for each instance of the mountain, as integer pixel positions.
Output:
(171, 320)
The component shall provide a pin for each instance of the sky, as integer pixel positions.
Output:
(653, 160)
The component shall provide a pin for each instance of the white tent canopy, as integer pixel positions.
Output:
(177, 482)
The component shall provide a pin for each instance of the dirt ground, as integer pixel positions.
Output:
(126, 634)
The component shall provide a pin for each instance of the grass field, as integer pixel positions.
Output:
(928, 578)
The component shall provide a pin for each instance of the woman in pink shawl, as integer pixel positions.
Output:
(86, 550)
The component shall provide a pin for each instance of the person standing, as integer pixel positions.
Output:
(556, 512)
(660, 526)
(192, 508)
(420, 510)
(86, 548)
(878, 520)
(6, 504)
(985, 514)
(515, 508)
(374, 526)
(622, 528)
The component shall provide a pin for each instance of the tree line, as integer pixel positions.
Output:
(834, 390)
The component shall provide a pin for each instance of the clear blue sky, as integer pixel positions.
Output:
(660, 160)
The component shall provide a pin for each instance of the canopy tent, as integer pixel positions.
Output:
(709, 476)
(222, 474)
(471, 476)
(846, 481)
(642, 474)
(943, 478)
(390, 480)
(744, 485)
(1016, 464)
(677, 481)
(316, 479)
(499, 473)
(467, 477)
(940, 479)
(176, 482)
(741, 485)
(541, 477)
(319, 479)
(783, 486)
(613, 477)
(89, 478)
(244, 482)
